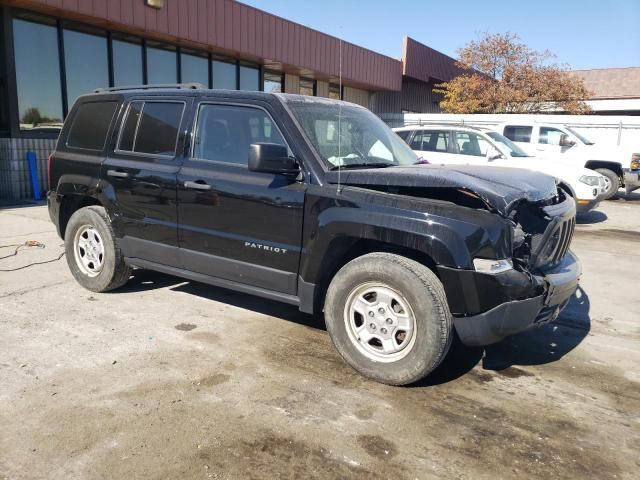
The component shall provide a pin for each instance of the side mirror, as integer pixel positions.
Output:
(493, 154)
(565, 142)
(272, 158)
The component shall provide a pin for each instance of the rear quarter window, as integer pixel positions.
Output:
(90, 125)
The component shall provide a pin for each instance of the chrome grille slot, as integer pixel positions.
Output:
(551, 247)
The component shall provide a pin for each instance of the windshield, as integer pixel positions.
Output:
(507, 145)
(580, 137)
(350, 137)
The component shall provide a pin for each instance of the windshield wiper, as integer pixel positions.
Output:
(363, 165)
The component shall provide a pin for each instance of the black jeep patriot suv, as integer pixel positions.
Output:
(315, 203)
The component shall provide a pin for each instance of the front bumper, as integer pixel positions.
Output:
(555, 288)
(584, 206)
(631, 180)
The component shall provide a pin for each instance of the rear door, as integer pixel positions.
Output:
(432, 145)
(236, 224)
(140, 177)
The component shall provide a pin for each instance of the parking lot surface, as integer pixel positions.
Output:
(172, 379)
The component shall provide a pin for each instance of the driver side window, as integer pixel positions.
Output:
(550, 136)
(225, 132)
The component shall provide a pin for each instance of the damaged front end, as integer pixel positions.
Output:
(542, 232)
(545, 274)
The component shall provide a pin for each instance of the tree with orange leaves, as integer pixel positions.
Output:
(503, 75)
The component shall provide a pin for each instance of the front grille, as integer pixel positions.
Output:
(550, 247)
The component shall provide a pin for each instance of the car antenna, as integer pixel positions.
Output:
(340, 113)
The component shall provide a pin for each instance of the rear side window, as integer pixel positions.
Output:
(151, 127)
(224, 132)
(518, 133)
(90, 125)
(431, 141)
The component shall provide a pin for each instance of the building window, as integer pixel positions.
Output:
(194, 68)
(4, 110)
(334, 91)
(161, 65)
(127, 63)
(307, 87)
(272, 82)
(249, 78)
(37, 74)
(224, 75)
(86, 63)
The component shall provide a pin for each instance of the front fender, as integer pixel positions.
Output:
(449, 234)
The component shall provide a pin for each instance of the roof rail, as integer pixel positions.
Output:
(193, 86)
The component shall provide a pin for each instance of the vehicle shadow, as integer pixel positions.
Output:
(253, 303)
(591, 217)
(545, 344)
(622, 196)
(538, 346)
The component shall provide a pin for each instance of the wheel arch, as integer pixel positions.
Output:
(70, 204)
(613, 166)
(349, 248)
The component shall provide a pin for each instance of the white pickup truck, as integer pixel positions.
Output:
(620, 165)
(457, 144)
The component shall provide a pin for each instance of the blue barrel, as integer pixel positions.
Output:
(33, 174)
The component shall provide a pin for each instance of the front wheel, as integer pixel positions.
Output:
(92, 254)
(612, 182)
(388, 317)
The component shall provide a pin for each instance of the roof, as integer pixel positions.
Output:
(426, 64)
(610, 83)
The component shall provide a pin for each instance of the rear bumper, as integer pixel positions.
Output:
(631, 180)
(53, 205)
(558, 285)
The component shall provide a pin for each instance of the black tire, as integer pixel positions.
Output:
(425, 297)
(114, 272)
(613, 178)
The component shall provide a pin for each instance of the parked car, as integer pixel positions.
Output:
(463, 145)
(619, 164)
(316, 203)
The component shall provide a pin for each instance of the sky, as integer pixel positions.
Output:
(582, 33)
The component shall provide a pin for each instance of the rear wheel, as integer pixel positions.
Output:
(388, 317)
(612, 182)
(92, 254)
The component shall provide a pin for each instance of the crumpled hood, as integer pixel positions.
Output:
(499, 187)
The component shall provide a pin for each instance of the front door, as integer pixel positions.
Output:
(471, 148)
(140, 178)
(236, 224)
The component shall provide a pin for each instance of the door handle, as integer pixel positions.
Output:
(199, 185)
(117, 173)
